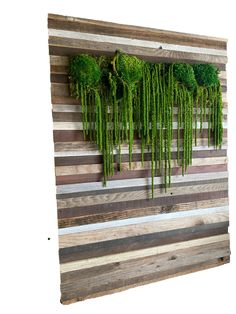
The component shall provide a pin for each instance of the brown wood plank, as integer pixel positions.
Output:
(68, 47)
(138, 194)
(168, 202)
(130, 31)
(136, 272)
(103, 248)
(131, 174)
(77, 135)
(97, 159)
(101, 215)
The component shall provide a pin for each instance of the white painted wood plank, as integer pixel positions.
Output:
(144, 219)
(79, 125)
(134, 42)
(116, 184)
(78, 108)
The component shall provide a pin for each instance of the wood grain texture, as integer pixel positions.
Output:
(116, 237)
(128, 31)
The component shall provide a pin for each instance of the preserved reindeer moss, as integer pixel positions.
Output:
(184, 74)
(128, 68)
(85, 70)
(122, 96)
(206, 74)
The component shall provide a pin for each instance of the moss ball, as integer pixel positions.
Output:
(184, 74)
(85, 70)
(206, 74)
(129, 68)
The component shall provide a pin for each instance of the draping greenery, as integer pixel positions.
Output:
(124, 97)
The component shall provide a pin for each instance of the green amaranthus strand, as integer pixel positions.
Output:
(218, 127)
(124, 96)
(153, 108)
(170, 118)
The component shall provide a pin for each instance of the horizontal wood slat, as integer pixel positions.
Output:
(128, 31)
(116, 237)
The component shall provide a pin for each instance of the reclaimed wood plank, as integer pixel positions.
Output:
(80, 252)
(134, 42)
(69, 47)
(171, 221)
(91, 215)
(124, 256)
(67, 298)
(130, 31)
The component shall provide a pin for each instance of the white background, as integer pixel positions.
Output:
(29, 277)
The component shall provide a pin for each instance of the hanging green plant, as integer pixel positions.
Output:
(123, 95)
(129, 70)
(209, 94)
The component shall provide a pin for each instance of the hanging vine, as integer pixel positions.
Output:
(123, 96)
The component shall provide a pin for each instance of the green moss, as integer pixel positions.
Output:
(184, 74)
(206, 74)
(85, 70)
(129, 68)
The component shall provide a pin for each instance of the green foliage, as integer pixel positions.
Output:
(85, 70)
(129, 68)
(184, 74)
(124, 95)
(206, 74)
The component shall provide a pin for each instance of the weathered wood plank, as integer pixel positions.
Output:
(137, 195)
(124, 256)
(135, 165)
(97, 159)
(133, 174)
(77, 117)
(107, 231)
(70, 296)
(69, 215)
(71, 35)
(153, 270)
(103, 248)
(115, 184)
(68, 47)
(77, 135)
(91, 215)
(130, 31)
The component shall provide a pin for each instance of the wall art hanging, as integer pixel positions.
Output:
(140, 135)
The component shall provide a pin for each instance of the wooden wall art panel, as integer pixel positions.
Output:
(116, 237)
